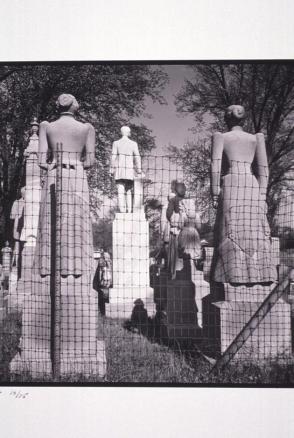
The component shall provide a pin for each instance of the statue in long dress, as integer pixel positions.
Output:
(184, 240)
(77, 154)
(242, 234)
(125, 166)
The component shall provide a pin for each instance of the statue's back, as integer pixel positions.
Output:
(68, 131)
(239, 146)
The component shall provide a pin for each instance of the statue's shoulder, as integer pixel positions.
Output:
(218, 137)
(133, 143)
(218, 134)
(89, 126)
(44, 124)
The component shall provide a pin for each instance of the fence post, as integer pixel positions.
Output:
(57, 274)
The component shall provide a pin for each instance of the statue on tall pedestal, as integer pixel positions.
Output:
(78, 145)
(59, 319)
(126, 166)
(242, 237)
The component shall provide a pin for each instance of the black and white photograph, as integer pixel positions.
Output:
(147, 222)
(146, 219)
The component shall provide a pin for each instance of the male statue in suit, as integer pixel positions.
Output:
(125, 166)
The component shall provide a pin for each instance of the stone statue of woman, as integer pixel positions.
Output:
(242, 234)
(77, 154)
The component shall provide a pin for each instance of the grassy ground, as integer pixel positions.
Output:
(132, 358)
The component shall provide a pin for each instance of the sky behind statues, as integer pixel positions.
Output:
(168, 126)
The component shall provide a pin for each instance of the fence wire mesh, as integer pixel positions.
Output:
(129, 279)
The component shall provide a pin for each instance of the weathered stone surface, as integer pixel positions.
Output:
(228, 308)
(131, 278)
(81, 351)
(272, 338)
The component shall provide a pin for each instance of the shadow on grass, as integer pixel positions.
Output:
(136, 358)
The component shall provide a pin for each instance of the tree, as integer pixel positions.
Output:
(153, 210)
(194, 159)
(266, 90)
(110, 95)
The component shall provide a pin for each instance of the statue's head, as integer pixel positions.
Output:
(180, 189)
(23, 192)
(125, 131)
(67, 103)
(234, 115)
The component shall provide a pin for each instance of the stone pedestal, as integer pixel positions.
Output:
(228, 309)
(81, 351)
(131, 278)
(23, 287)
(272, 338)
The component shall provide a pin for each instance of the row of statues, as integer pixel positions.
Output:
(78, 154)
(239, 175)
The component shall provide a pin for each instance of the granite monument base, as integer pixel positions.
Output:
(80, 350)
(224, 320)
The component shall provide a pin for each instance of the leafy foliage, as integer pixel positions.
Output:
(266, 90)
(110, 95)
